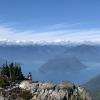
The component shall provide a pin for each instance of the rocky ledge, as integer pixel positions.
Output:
(50, 91)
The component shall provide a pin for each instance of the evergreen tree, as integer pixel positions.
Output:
(12, 71)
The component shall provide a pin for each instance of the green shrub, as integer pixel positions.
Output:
(3, 81)
(26, 95)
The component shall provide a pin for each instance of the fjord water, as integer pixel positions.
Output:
(78, 77)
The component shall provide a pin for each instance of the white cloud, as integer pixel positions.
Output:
(60, 26)
(9, 33)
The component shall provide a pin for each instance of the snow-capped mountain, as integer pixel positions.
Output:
(56, 42)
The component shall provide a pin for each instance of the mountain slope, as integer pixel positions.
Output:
(94, 86)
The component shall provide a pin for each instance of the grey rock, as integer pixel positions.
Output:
(49, 91)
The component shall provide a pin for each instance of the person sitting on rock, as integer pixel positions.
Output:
(30, 76)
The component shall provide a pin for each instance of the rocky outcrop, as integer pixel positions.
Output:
(49, 91)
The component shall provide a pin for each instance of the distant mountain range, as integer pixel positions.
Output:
(86, 52)
(30, 53)
(67, 56)
(55, 42)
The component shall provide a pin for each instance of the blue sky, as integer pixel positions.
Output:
(50, 20)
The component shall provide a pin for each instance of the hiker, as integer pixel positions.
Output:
(30, 76)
